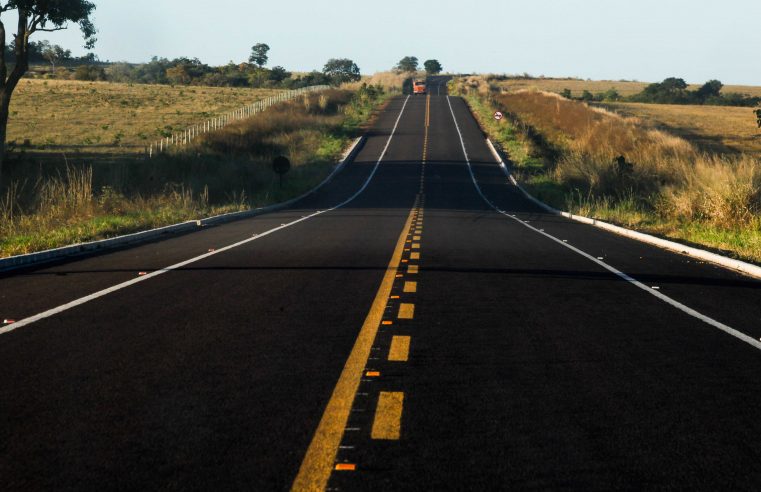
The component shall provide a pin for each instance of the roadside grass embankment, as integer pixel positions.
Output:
(591, 162)
(69, 201)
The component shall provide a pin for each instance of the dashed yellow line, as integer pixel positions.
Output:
(400, 349)
(406, 311)
(413, 269)
(410, 287)
(319, 461)
(414, 256)
(388, 416)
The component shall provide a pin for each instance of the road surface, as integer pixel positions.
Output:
(417, 324)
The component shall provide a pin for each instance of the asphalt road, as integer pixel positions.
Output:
(413, 338)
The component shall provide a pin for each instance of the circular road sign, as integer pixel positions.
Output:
(281, 165)
(498, 115)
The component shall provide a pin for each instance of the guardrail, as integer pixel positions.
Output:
(185, 137)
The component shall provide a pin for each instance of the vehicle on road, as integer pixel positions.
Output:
(418, 87)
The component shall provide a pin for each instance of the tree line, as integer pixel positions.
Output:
(411, 64)
(191, 71)
(674, 91)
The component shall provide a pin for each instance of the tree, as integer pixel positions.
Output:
(178, 75)
(341, 70)
(54, 53)
(259, 54)
(432, 67)
(712, 88)
(34, 16)
(279, 74)
(407, 64)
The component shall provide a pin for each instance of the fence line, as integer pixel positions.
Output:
(185, 137)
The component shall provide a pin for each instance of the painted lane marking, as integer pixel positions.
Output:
(406, 311)
(410, 287)
(387, 424)
(415, 245)
(668, 300)
(414, 256)
(416, 238)
(318, 462)
(400, 349)
(412, 269)
(176, 266)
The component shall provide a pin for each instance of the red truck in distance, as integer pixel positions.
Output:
(418, 87)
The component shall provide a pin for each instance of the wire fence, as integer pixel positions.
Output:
(185, 137)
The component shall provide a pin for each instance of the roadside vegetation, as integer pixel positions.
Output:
(596, 163)
(74, 200)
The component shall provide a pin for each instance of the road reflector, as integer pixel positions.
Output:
(387, 424)
(410, 287)
(211, 250)
(9, 321)
(406, 310)
(400, 349)
(372, 374)
(387, 322)
(394, 297)
(346, 467)
(142, 273)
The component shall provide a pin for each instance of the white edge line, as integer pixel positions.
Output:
(723, 261)
(128, 283)
(688, 310)
(40, 257)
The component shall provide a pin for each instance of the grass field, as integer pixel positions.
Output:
(72, 117)
(722, 129)
(577, 86)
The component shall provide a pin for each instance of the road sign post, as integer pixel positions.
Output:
(281, 165)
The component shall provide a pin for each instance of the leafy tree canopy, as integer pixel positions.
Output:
(341, 70)
(432, 67)
(259, 54)
(408, 64)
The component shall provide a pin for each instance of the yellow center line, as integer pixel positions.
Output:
(388, 416)
(406, 311)
(320, 457)
(400, 349)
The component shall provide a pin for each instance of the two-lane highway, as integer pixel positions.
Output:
(415, 324)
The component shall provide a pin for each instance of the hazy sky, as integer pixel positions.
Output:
(600, 39)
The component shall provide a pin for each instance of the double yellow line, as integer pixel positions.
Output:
(319, 461)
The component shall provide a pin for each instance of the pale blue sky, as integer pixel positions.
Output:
(646, 40)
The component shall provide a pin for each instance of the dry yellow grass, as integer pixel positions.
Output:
(108, 118)
(576, 86)
(722, 129)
